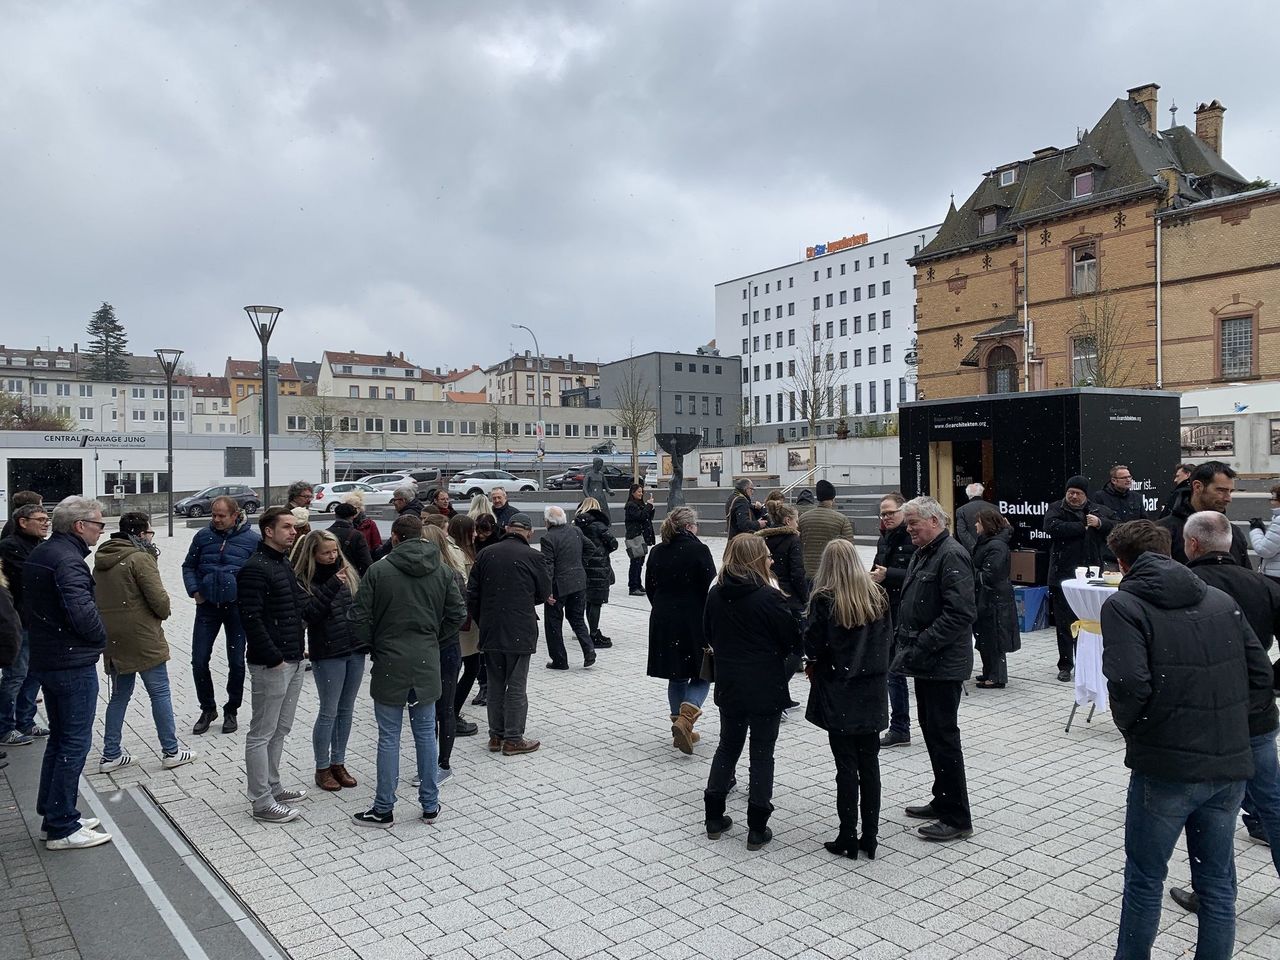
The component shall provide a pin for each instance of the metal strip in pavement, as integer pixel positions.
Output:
(177, 926)
(208, 876)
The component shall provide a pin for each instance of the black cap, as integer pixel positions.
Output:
(1079, 483)
(825, 490)
(520, 520)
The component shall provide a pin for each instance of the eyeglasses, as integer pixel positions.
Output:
(97, 523)
(44, 519)
(891, 514)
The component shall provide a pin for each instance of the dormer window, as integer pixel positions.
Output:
(1082, 184)
(379, 371)
(346, 368)
(988, 220)
(1009, 177)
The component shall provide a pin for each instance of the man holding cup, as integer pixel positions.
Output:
(1078, 530)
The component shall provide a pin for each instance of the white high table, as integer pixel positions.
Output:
(1086, 600)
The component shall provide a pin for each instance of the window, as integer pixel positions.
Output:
(1084, 269)
(844, 327)
(871, 396)
(157, 393)
(768, 313)
(1009, 177)
(348, 424)
(844, 400)
(137, 393)
(706, 406)
(857, 358)
(815, 275)
(857, 265)
(884, 288)
(746, 375)
(884, 320)
(871, 356)
(871, 322)
(871, 291)
(791, 282)
(720, 369)
(830, 299)
(86, 389)
(744, 293)
(755, 344)
(745, 345)
(352, 392)
(86, 413)
(844, 296)
(139, 415)
(444, 426)
(888, 396)
(844, 359)
(755, 374)
(389, 393)
(857, 324)
(372, 424)
(571, 430)
(62, 389)
(295, 423)
(718, 407)
(157, 415)
(828, 273)
(768, 340)
(410, 393)
(345, 368)
(398, 425)
(857, 293)
(817, 303)
(1082, 185)
(373, 393)
(842, 269)
(885, 353)
(857, 399)
(986, 222)
(791, 309)
(831, 329)
(1002, 371)
(1235, 341)
(1084, 361)
(693, 401)
(679, 403)
(791, 338)
(467, 427)
(871, 262)
(379, 371)
(680, 366)
(817, 331)
(829, 363)
(768, 407)
(755, 316)
(745, 319)
(885, 261)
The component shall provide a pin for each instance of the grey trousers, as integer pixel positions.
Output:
(274, 701)
(508, 703)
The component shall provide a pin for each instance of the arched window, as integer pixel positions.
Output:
(1002, 371)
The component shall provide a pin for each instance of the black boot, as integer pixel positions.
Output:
(600, 641)
(867, 844)
(758, 832)
(206, 717)
(717, 822)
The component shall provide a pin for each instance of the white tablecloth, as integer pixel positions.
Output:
(1086, 602)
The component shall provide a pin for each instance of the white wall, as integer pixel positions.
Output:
(852, 462)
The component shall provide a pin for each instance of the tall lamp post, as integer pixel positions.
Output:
(537, 384)
(169, 360)
(264, 324)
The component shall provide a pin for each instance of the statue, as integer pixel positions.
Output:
(677, 444)
(594, 484)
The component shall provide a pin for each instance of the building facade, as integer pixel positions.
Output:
(690, 392)
(1135, 258)
(849, 304)
(244, 379)
(375, 376)
(516, 380)
(210, 403)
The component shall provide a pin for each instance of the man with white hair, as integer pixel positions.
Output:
(563, 547)
(67, 639)
(967, 515)
(934, 636)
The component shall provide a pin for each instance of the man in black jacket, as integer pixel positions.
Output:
(893, 555)
(508, 581)
(18, 689)
(966, 532)
(503, 511)
(934, 644)
(271, 602)
(563, 546)
(741, 513)
(353, 543)
(1118, 495)
(1181, 480)
(1078, 532)
(1210, 488)
(1184, 671)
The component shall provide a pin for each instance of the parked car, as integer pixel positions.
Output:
(571, 479)
(326, 496)
(428, 476)
(384, 481)
(197, 505)
(467, 483)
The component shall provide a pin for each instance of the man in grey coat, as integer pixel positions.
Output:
(563, 547)
(967, 515)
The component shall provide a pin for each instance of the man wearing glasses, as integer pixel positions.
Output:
(893, 555)
(67, 640)
(18, 689)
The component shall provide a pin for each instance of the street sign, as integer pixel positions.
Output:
(912, 358)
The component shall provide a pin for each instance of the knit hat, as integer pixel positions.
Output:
(825, 490)
(1079, 483)
(345, 511)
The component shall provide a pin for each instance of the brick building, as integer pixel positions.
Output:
(1132, 258)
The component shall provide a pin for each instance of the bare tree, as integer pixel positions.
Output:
(1100, 355)
(321, 427)
(815, 381)
(17, 413)
(743, 423)
(634, 410)
(493, 427)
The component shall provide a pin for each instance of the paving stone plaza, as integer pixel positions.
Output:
(593, 847)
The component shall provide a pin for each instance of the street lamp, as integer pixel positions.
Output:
(169, 360)
(264, 324)
(537, 385)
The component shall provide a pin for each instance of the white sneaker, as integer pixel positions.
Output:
(79, 840)
(172, 760)
(106, 766)
(87, 823)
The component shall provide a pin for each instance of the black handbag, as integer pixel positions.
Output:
(708, 670)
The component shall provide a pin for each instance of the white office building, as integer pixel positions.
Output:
(853, 299)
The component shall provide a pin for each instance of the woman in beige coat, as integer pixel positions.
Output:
(133, 603)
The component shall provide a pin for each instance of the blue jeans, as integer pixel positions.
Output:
(1158, 812)
(70, 700)
(686, 691)
(337, 683)
(1262, 793)
(18, 691)
(899, 705)
(156, 680)
(210, 618)
(422, 721)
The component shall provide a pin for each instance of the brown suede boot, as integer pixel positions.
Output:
(340, 774)
(682, 727)
(695, 737)
(325, 780)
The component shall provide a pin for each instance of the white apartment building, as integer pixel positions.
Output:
(375, 376)
(853, 299)
(210, 403)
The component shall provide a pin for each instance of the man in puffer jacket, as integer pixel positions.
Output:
(209, 573)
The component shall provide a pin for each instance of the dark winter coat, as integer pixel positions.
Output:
(1126, 506)
(271, 602)
(327, 612)
(894, 551)
(62, 615)
(818, 527)
(996, 627)
(595, 527)
(10, 630)
(414, 506)
(14, 551)
(369, 527)
(638, 517)
(507, 582)
(934, 633)
(403, 610)
(788, 565)
(849, 686)
(1176, 520)
(215, 558)
(742, 515)
(1184, 671)
(564, 548)
(503, 515)
(1074, 542)
(676, 579)
(1166, 508)
(755, 638)
(967, 522)
(133, 604)
(354, 545)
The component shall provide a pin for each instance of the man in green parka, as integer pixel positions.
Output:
(407, 601)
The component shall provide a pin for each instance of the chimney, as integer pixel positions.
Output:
(1209, 124)
(1145, 97)
(1044, 152)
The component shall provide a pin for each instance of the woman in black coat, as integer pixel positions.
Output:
(847, 643)
(787, 555)
(754, 636)
(996, 630)
(680, 571)
(639, 534)
(593, 523)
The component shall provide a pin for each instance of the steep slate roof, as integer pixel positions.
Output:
(1127, 162)
(206, 386)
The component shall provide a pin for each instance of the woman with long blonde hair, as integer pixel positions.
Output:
(752, 635)
(337, 657)
(847, 643)
(479, 505)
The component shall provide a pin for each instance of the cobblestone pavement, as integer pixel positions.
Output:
(593, 846)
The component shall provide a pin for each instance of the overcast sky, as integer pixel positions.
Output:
(419, 175)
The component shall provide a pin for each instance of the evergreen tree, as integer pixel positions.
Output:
(108, 346)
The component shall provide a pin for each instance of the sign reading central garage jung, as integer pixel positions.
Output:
(96, 439)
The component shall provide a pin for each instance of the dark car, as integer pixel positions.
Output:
(197, 505)
(571, 479)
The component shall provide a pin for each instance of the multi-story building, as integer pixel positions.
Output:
(516, 380)
(210, 403)
(244, 378)
(691, 392)
(849, 304)
(471, 380)
(375, 376)
(1134, 257)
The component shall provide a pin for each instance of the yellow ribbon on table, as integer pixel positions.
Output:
(1088, 626)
